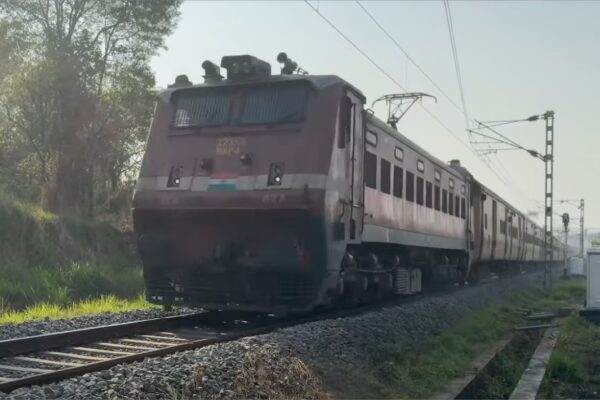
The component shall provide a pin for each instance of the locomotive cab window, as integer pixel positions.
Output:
(201, 108)
(370, 170)
(274, 103)
(385, 181)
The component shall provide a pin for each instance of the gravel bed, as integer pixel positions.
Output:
(10, 331)
(296, 362)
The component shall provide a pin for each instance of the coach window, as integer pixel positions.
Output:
(451, 184)
(370, 170)
(444, 201)
(450, 204)
(437, 175)
(398, 181)
(420, 166)
(485, 221)
(457, 206)
(428, 194)
(436, 198)
(399, 154)
(419, 190)
(410, 186)
(463, 208)
(385, 182)
(371, 138)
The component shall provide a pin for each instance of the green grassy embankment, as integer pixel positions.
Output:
(53, 266)
(574, 368)
(426, 371)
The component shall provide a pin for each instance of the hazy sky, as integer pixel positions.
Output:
(517, 59)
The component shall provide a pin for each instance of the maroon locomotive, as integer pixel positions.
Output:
(280, 193)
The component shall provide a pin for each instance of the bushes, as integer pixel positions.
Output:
(30, 237)
(56, 260)
(62, 286)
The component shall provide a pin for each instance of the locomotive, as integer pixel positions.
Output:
(282, 193)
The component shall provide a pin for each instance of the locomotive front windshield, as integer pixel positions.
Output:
(272, 103)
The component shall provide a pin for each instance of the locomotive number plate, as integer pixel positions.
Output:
(229, 146)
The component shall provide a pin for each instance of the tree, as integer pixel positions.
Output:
(76, 110)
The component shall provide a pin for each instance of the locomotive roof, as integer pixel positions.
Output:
(317, 81)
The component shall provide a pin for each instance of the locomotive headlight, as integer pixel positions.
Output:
(276, 174)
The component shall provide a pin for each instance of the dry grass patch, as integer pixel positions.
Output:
(268, 374)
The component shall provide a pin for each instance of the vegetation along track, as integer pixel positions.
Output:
(48, 358)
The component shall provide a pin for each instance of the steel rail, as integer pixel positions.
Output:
(143, 330)
(30, 344)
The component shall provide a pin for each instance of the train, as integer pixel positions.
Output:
(282, 193)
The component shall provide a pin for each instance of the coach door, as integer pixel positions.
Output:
(494, 227)
(355, 156)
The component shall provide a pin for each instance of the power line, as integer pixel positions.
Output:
(480, 153)
(357, 48)
(456, 61)
(439, 121)
(409, 58)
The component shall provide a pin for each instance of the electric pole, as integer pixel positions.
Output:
(581, 239)
(547, 158)
(549, 199)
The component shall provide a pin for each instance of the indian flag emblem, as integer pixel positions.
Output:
(224, 181)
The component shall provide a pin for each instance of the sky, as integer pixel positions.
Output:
(517, 59)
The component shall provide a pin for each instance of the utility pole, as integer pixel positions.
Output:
(547, 158)
(548, 199)
(581, 239)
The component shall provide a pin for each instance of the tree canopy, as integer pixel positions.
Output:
(76, 98)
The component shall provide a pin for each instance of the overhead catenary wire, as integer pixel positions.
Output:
(409, 58)
(383, 71)
(482, 154)
(456, 61)
(364, 54)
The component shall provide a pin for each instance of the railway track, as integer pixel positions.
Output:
(48, 358)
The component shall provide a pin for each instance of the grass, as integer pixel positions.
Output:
(574, 368)
(57, 266)
(103, 304)
(420, 374)
(22, 287)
